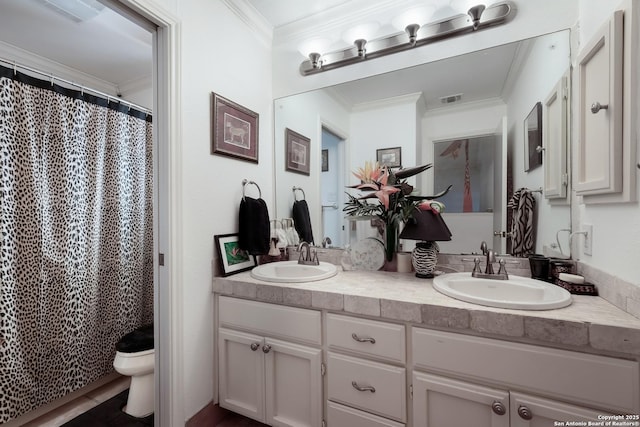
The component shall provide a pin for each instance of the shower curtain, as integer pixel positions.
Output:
(76, 237)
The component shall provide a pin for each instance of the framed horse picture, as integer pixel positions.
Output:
(235, 130)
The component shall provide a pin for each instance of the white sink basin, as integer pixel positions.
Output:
(520, 293)
(292, 272)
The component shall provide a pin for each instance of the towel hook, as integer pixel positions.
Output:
(298, 189)
(245, 182)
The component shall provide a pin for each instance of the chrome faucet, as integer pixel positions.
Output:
(488, 270)
(311, 257)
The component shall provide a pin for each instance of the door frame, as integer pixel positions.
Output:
(169, 405)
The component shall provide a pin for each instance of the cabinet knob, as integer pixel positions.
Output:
(357, 338)
(596, 106)
(254, 346)
(266, 348)
(365, 388)
(524, 412)
(498, 408)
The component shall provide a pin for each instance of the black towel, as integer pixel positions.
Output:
(301, 220)
(253, 226)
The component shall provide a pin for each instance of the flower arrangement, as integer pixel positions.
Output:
(395, 202)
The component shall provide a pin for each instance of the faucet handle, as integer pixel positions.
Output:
(502, 271)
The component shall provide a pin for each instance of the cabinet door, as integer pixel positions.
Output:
(444, 402)
(241, 373)
(530, 411)
(293, 390)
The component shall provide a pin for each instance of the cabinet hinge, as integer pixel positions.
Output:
(323, 369)
(565, 179)
(411, 390)
(324, 423)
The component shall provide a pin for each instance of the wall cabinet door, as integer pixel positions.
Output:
(241, 373)
(293, 384)
(530, 411)
(444, 402)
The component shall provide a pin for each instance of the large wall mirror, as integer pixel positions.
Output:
(465, 114)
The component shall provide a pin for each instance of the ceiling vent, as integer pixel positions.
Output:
(451, 98)
(77, 10)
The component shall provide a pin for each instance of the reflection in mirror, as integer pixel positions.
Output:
(477, 96)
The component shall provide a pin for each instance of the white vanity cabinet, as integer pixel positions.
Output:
(272, 380)
(362, 391)
(530, 385)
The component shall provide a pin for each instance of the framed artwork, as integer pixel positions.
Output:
(297, 152)
(231, 258)
(533, 138)
(235, 130)
(390, 157)
(325, 160)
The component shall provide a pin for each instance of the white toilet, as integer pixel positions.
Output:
(135, 358)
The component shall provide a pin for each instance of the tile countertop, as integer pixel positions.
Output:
(590, 324)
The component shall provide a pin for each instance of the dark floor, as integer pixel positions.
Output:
(109, 414)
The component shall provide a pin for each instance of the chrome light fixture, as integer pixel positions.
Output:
(477, 18)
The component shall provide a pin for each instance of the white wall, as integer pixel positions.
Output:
(616, 227)
(542, 69)
(218, 54)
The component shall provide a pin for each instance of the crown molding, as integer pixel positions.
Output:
(135, 85)
(411, 98)
(339, 17)
(253, 19)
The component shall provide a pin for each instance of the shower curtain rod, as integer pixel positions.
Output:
(16, 65)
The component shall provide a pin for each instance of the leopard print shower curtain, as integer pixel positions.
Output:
(76, 238)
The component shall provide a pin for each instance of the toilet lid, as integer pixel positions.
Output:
(140, 339)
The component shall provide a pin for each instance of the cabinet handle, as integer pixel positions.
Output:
(499, 408)
(266, 348)
(254, 346)
(596, 106)
(357, 338)
(524, 412)
(365, 388)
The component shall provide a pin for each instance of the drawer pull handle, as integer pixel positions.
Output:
(266, 348)
(365, 388)
(499, 408)
(254, 346)
(357, 338)
(525, 413)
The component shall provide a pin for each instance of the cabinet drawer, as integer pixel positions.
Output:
(383, 389)
(381, 339)
(590, 380)
(291, 323)
(343, 416)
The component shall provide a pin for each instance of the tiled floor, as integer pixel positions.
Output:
(101, 408)
(69, 411)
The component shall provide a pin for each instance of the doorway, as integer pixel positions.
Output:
(332, 185)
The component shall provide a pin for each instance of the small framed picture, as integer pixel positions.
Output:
(390, 157)
(235, 130)
(297, 151)
(533, 138)
(325, 160)
(231, 258)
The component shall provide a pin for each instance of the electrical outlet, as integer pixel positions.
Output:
(587, 246)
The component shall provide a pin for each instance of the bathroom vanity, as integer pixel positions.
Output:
(386, 349)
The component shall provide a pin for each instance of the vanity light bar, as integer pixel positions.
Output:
(477, 19)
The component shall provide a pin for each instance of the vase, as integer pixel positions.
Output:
(390, 240)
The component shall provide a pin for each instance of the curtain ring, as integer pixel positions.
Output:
(15, 68)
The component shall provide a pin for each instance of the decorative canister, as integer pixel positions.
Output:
(557, 266)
